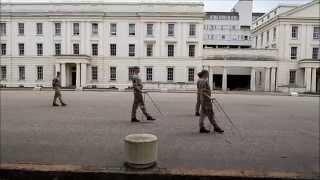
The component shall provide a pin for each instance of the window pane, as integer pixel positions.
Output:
(170, 29)
(3, 72)
(191, 74)
(294, 52)
(57, 49)
(94, 28)
(21, 73)
(94, 49)
(149, 49)
(21, 49)
(113, 29)
(113, 73)
(39, 28)
(39, 49)
(149, 74)
(170, 74)
(132, 29)
(131, 50)
(113, 49)
(76, 49)
(39, 72)
(3, 49)
(57, 29)
(94, 73)
(170, 50)
(315, 53)
(76, 30)
(149, 29)
(192, 50)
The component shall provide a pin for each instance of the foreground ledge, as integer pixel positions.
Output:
(64, 172)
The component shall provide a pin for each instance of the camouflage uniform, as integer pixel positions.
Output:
(56, 84)
(206, 105)
(198, 97)
(138, 99)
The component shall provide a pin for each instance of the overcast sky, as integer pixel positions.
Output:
(214, 5)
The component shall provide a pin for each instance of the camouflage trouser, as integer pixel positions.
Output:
(57, 95)
(138, 102)
(207, 111)
(198, 104)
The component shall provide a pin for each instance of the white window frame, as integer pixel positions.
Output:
(113, 49)
(113, 73)
(3, 74)
(76, 48)
(132, 29)
(132, 50)
(190, 53)
(171, 29)
(113, 29)
(22, 73)
(57, 48)
(21, 48)
(170, 77)
(131, 71)
(20, 29)
(150, 29)
(149, 73)
(170, 52)
(292, 56)
(39, 49)
(95, 28)
(57, 29)
(94, 73)
(39, 73)
(76, 29)
(192, 30)
(39, 28)
(94, 49)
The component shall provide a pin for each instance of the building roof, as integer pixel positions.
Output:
(223, 13)
(257, 14)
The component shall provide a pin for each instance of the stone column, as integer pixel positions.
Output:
(224, 79)
(273, 79)
(314, 80)
(78, 76)
(307, 78)
(83, 74)
(57, 69)
(267, 79)
(63, 75)
(253, 79)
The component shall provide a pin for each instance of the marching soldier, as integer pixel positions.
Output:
(56, 85)
(138, 99)
(206, 105)
(198, 97)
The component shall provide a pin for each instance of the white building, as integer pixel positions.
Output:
(295, 32)
(230, 29)
(94, 44)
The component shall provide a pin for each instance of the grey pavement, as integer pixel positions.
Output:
(277, 133)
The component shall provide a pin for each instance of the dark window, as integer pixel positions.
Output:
(94, 49)
(149, 73)
(170, 29)
(294, 51)
(131, 50)
(192, 48)
(94, 73)
(95, 28)
(76, 49)
(294, 32)
(39, 29)
(170, 76)
(316, 32)
(130, 73)
(21, 28)
(3, 29)
(76, 29)
(292, 77)
(191, 74)
(149, 50)
(132, 29)
(170, 50)
(21, 73)
(57, 48)
(149, 29)
(3, 49)
(192, 30)
(39, 73)
(57, 29)
(315, 53)
(113, 49)
(3, 73)
(39, 49)
(113, 29)
(113, 73)
(21, 49)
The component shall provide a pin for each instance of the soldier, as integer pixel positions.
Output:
(206, 105)
(56, 85)
(138, 99)
(198, 97)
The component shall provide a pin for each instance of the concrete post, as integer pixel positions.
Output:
(63, 75)
(224, 79)
(78, 85)
(307, 78)
(314, 80)
(267, 79)
(83, 74)
(253, 79)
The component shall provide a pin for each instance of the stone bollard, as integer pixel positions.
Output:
(141, 150)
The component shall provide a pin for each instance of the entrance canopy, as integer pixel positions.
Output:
(81, 59)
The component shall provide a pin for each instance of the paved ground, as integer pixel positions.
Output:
(280, 133)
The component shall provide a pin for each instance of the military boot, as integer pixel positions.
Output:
(133, 120)
(204, 130)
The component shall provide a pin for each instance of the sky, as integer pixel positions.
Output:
(212, 5)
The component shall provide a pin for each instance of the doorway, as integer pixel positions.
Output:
(73, 78)
(238, 82)
(217, 81)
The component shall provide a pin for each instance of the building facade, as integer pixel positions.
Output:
(295, 32)
(97, 44)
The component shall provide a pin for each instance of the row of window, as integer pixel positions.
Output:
(95, 49)
(294, 53)
(95, 29)
(211, 27)
(94, 73)
(223, 17)
(21, 72)
(148, 75)
(229, 37)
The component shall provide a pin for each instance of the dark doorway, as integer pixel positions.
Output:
(238, 82)
(217, 81)
(73, 78)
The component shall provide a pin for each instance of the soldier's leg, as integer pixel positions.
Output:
(198, 105)
(134, 109)
(143, 109)
(211, 117)
(60, 98)
(203, 115)
(55, 98)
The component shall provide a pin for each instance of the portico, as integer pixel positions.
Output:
(73, 70)
(311, 75)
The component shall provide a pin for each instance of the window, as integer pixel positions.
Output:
(113, 29)
(149, 29)
(21, 29)
(149, 74)
(95, 28)
(57, 29)
(132, 29)
(294, 52)
(268, 36)
(94, 73)
(292, 77)
(191, 74)
(315, 53)
(21, 49)
(76, 48)
(39, 49)
(57, 48)
(3, 49)
(132, 50)
(3, 29)
(170, 50)
(22, 73)
(113, 49)
(170, 74)
(113, 73)
(76, 29)
(294, 32)
(316, 32)
(170, 29)
(39, 29)
(94, 48)
(274, 34)
(192, 48)
(3, 73)
(192, 30)
(149, 50)
(39, 73)
(130, 73)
